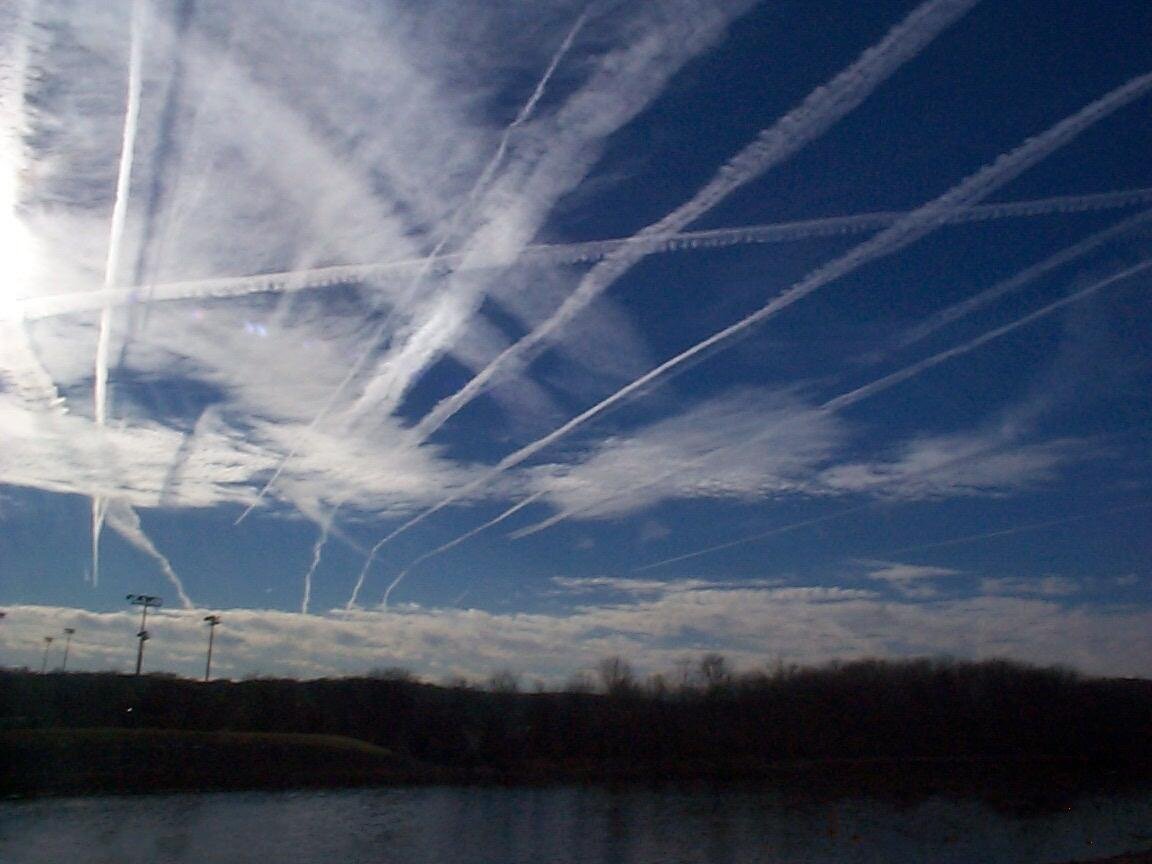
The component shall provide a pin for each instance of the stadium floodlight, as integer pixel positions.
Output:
(145, 602)
(213, 621)
(68, 633)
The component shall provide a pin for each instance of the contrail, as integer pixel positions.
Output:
(819, 111)
(908, 229)
(920, 331)
(112, 265)
(861, 393)
(124, 519)
(966, 307)
(763, 535)
(317, 551)
(119, 209)
(1019, 529)
(396, 372)
(230, 287)
(867, 390)
(427, 263)
(439, 549)
(528, 107)
(557, 518)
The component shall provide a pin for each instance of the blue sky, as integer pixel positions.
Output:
(516, 335)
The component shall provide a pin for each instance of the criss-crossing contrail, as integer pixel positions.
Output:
(396, 372)
(915, 225)
(414, 345)
(905, 231)
(115, 250)
(817, 113)
(231, 287)
(859, 394)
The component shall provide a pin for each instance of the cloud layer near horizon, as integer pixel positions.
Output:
(653, 623)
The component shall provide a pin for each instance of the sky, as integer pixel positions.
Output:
(509, 336)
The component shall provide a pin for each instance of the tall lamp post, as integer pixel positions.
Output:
(48, 640)
(68, 633)
(213, 621)
(145, 602)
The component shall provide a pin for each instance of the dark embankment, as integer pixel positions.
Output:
(83, 761)
(1017, 734)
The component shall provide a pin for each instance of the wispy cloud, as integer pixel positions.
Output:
(984, 462)
(746, 445)
(1043, 586)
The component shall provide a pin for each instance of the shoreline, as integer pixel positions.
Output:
(64, 761)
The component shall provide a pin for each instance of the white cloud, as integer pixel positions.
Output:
(912, 580)
(902, 573)
(652, 628)
(211, 197)
(746, 445)
(1043, 586)
(967, 463)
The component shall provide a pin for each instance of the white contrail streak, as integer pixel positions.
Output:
(1020, 529)
(125, 521)
(396, 372)
(1024, 277)
(440, 549)
(961, 309)
(112, 264)
(317, 552)
(557, 518)
(528, 107)
(908, 229)
(119, 209)
(819, 111)
(230, 287)
(763, 535)
(861, 393)
(415, 345)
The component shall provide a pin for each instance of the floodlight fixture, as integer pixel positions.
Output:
(213, 621)
(145, 602)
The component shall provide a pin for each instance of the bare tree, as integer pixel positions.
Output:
(616, 675)
(504, 681)
(714, 671)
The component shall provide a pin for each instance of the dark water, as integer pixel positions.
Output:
(589, 826)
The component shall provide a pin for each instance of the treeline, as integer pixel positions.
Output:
(712, 723)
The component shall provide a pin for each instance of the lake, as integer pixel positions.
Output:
(582, 825)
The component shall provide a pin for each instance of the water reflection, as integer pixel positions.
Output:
(585, 825)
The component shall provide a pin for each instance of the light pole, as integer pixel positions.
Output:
(48, 640)
(145, 602)
(68, 632)
(213, 621)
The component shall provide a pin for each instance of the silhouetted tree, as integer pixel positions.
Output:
(616, 676)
